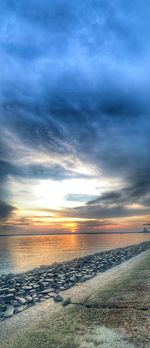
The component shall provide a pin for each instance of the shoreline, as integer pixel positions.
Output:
(21, 291)
(49, 323)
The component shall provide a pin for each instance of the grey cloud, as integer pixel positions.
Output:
(6, 210)
(107, 198)
(36, 171)
(101, 212)
(116, 202)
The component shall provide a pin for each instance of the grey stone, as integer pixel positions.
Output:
(46, 291)
(73, 279)
(44, 284)
(52, 294)
(58, 298)
(34, 295)
(7, 298)
(66, 302)
(21, 308)
(9, 312)
(21, 300)
(11, 290)
(15, 303)
(36, 286)
(49, 280)
(1, 314)
(62, 288)
(35, 299)
(29, 298)
(27, 287)
(3, 307)
(50, 275)
(33, 291)
(21, 292)
(3, 290)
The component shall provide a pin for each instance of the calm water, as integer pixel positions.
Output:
(22, 253)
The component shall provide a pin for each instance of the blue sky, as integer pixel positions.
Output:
(74, 114)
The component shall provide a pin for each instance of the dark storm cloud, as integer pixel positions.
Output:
(75, 79)
(6, 210)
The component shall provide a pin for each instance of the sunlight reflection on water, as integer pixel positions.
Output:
(21, 253)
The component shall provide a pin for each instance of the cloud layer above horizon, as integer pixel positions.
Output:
(74, 114)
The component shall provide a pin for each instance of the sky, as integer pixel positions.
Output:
(74, 116)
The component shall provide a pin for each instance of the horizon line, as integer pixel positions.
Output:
(68, 233)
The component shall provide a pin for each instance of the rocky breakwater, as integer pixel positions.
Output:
(20, 291)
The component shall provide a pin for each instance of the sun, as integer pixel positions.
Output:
(71, 226)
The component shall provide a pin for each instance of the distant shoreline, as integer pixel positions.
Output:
(68, 234)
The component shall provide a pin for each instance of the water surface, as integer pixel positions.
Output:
(22, 253)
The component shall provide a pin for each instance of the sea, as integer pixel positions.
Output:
(22, 253)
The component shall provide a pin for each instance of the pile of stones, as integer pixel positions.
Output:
(20, 291)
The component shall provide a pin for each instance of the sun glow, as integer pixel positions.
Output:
(71, 226)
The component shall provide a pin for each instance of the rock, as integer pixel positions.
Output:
(3, 307)
(35, 299)
(62, 288)
(12, 290)
(7, 298)
(66, 302)
(58, 298)
(32, 292)
(29, 298)
(3, 290)
(73, 279)
(21, 292)
(52, 294)
(15, 303)
(10, 275)
(21, 308)
(84, 278)
(50, 275)
(1, 314)
(36, 286)
(34, 295)
(21, 300)
(9, 312)
(46, 291)
(44, 284)
(49, 280)
(27, 288)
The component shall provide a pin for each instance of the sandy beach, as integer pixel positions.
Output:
(111, 309)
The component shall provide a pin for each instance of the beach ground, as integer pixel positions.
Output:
(110, 310)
